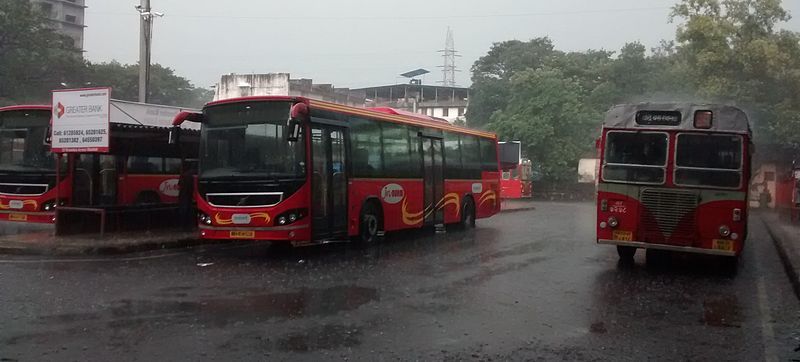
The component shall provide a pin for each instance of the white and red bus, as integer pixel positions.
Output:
(139, 168)
(333, 171)
(674, 177)
(516, 182)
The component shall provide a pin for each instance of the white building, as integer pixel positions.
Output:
(66, 17)
(448, 103)
(281, 84)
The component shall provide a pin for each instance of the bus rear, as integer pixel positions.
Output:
(28, 179)
(674, 177)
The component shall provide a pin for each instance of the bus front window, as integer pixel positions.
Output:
(706, 160)
(635, 157)
(22, 142)
(248, 139)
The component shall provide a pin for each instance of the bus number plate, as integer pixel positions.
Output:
(722, 244)
(621, 235)
(243, 234)
(18, 217)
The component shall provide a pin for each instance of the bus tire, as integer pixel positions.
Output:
(626, 253)
(370, 222)
(468, 214)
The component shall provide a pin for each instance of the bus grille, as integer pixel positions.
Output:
(263, 199)
(23, 189)
(669, 213)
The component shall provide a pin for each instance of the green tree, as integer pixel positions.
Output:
(545, 111)
(165, 86)
(33, 58)
(735, 54)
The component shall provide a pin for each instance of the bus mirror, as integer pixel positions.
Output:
(174, 135)
(293, 130)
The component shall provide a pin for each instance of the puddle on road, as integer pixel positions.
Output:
(224, 311)
(722, 312)
(327, 337)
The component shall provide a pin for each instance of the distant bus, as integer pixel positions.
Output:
(674, 177)
(139, 168)
(335, 172)
(516, 182)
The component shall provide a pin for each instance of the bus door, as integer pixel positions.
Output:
(94, 180)
(433, 179)
(329, 181)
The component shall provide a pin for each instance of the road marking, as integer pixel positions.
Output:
(767, 332)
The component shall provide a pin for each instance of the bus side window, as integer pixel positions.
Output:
(172, 166)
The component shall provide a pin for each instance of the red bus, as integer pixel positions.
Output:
(516, 182)
(333, 171)
(674, 177)
(139, 169)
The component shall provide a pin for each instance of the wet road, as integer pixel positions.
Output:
(524, 285)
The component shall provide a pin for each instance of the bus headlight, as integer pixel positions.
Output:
(282, 220)
(724, 231)
(291, 216)
(204, 219)
(49, 205)
(613, 222)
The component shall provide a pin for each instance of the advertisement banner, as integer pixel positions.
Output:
(80, 121)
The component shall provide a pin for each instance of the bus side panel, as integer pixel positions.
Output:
(621, 206)
(31, 206)
(511, 189)
(165, 186)
(455, 191)
(401, 201)
(487, 199)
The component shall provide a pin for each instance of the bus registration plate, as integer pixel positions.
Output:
(243, 234)
(622, 235)
(18, 217)
(722, 244)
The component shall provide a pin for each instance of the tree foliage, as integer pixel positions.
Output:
(35, 60)
(726, 51)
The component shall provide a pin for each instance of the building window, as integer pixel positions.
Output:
(460, 111)
(71, 19)
(445, 112)
(47, 8)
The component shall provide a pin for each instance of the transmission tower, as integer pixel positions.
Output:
(449, 54)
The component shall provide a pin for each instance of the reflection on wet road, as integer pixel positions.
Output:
(524, 285)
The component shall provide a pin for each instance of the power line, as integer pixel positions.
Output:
(422, 17)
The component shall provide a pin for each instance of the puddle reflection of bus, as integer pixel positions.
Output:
(674, 177)
(336, 172)
(517, 182)
(139, 169)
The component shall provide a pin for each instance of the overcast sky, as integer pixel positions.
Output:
(359, 43)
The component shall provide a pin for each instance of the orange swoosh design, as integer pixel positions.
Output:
(255, 215)
(410, 218)
(26, 202)
(488, 195)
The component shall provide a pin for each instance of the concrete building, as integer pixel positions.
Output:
(281, 84)
(449, 103)
(66, 17)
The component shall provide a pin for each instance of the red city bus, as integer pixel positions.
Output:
(674, 177)
(139, 169)
(333, 171)
(516, 182)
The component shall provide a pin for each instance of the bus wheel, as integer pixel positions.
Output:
(468, 214)
(369, 223)
(626, 253)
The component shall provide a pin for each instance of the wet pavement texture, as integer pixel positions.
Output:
(529, 285)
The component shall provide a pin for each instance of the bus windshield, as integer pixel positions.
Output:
(708, 160)
(636, 157)
(247, 139)
(22, 142)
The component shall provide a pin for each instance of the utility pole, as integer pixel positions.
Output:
(145, 38)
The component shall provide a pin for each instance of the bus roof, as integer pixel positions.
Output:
(725, 118)
(383, 115)
(24, 107)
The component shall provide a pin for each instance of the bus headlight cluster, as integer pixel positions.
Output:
(51, 205)
(613, 222)
(290, 216)
(204, 219)
(724, 231)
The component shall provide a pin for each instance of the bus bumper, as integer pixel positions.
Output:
(291, 233)
(685, 249)
(32, 217)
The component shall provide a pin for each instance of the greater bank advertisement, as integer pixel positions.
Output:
(80, 121)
